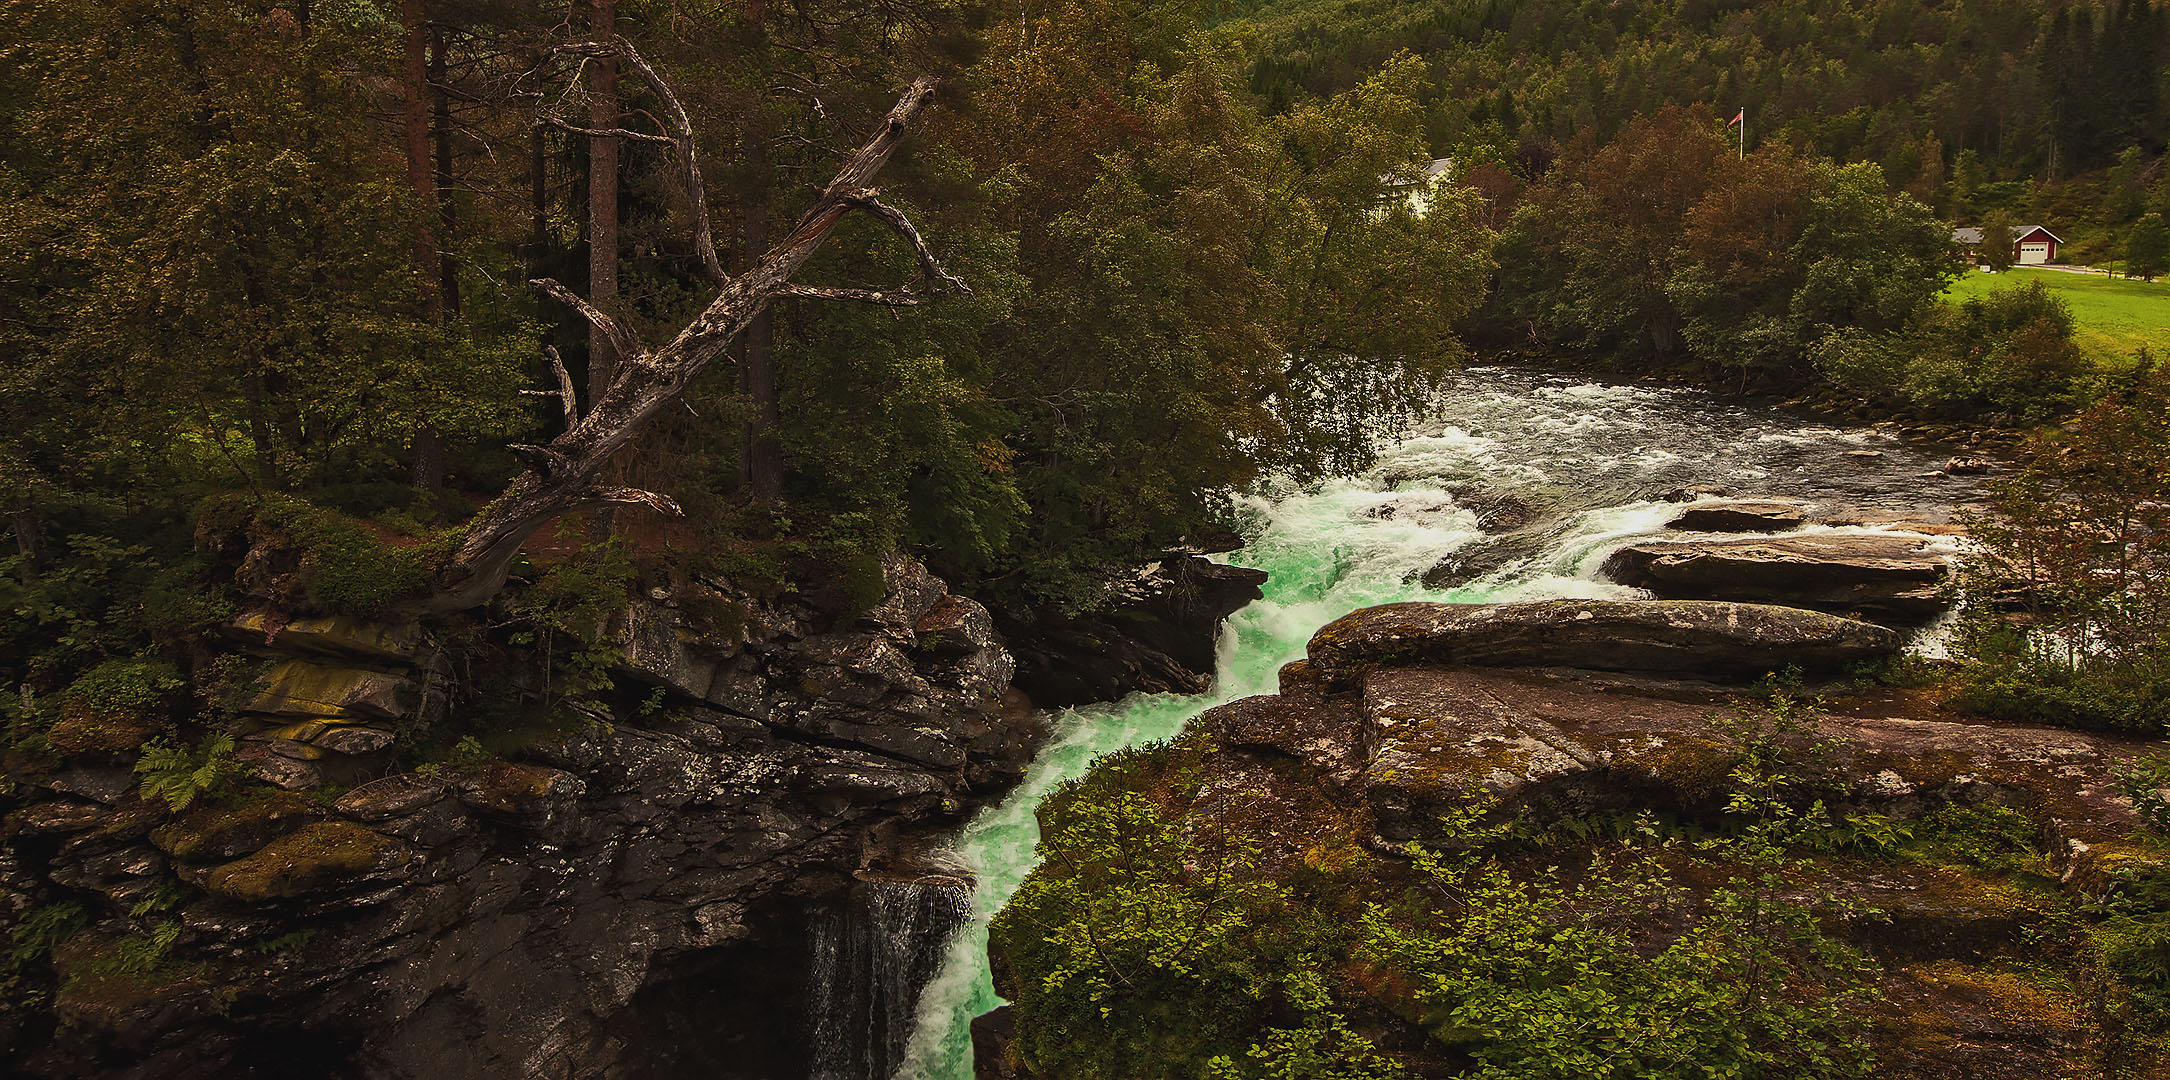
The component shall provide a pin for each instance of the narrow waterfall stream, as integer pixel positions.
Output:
(1572, 468)
(871, 957)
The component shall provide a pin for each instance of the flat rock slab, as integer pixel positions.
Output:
(1897, 576)
(1436, 736)
(1741, 515)
(1703, 639)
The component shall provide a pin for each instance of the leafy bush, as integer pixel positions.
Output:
(1147, 946)
(180, 776)
(348, 568)
(2009, 356)
(133, 685)
(2070, 622)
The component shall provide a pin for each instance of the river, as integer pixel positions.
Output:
(1587, 465)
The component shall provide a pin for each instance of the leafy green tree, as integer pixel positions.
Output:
(2147, 248)
(2082, 541)
(234, 285)
(1870, 257)
(1995, 250)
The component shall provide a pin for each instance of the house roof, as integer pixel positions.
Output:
(1972, 236)
(1433, 169)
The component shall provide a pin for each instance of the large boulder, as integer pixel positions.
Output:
(1157, 636)
(1892, 577)
(1741, 515)
(1705, 639)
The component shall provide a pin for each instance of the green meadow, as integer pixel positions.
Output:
(2115, 316)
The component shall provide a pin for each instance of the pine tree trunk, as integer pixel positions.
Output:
(602, 222)
(764, 452)
(602, 197)
(429, 452)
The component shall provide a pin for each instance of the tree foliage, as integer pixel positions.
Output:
(2079, 556)
(1664, 246)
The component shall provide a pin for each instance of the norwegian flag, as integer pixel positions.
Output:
(1739, 117)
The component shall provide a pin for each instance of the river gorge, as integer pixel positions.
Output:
(1517, 489)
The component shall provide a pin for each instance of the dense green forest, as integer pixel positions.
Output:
(1944, 96)
(263, 247)
(278, 267)
(285, 247)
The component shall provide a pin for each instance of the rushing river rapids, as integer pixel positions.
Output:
(1580, 467)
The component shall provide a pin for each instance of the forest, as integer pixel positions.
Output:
(470, 383)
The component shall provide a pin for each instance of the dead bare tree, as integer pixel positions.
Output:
(564, 475)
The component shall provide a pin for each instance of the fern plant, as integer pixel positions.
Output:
(179, 775)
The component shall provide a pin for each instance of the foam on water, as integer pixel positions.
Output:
(1591, 460)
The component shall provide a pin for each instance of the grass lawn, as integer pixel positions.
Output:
(2116, 316)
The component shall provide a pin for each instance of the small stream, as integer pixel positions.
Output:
(1586, 464)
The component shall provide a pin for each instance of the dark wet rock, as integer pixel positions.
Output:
(543, 914)
(1698, 491)
(1158, 636)
(391, 797)
(1478, 559)
(1498, 511)
(60, 816)
(100, 784)
(1700, 638)
(991, 1057)
(1897, 577)
(1741, 515)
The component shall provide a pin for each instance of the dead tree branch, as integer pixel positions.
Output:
(564, 392)
(681, 136)
(563, 475)
(622, 337)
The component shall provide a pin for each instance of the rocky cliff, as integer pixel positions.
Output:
(623, 895)
(2003, 900)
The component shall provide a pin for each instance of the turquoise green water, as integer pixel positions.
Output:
(1592, 460)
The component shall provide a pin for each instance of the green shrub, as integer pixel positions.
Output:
(2072, 577)
(1146, 946)
(347, 567)
(133, 685)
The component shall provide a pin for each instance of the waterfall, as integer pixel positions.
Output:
(871, 956)
(1589, 462)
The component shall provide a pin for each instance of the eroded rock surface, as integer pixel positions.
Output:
(1703, 638)
(1157, 637)
(1405, 717)
(1890, 576)
(523, 917)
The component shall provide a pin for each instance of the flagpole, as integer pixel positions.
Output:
(1744, 133)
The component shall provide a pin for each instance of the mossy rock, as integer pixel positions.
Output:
(335, 635)
(300, 688)
(514, 790)
(206, 832)
(311, 859)
(1694, 769)
(103, 988)
(85, 729)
